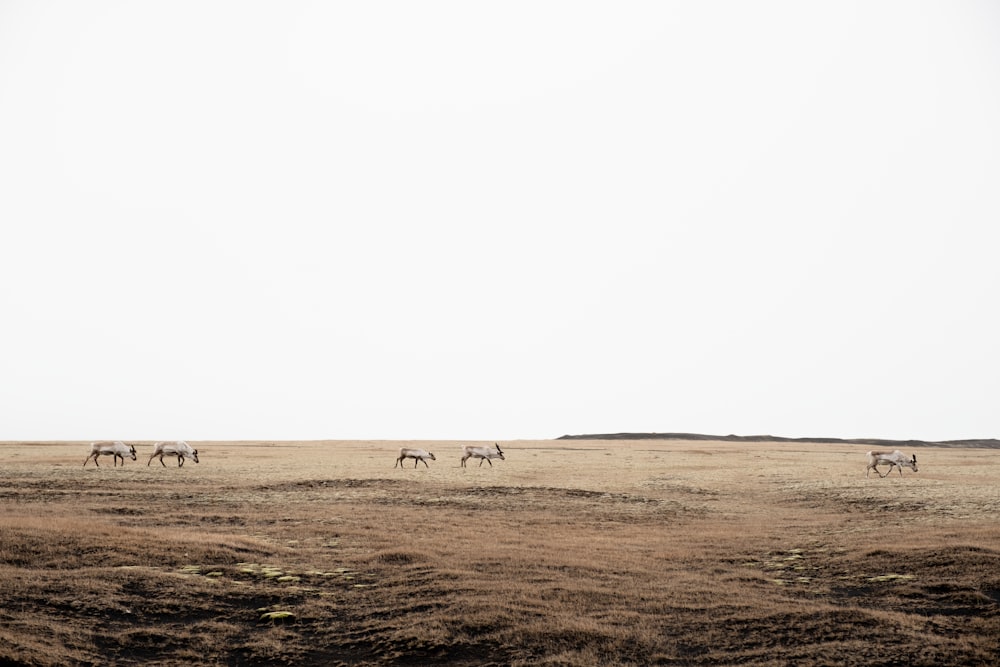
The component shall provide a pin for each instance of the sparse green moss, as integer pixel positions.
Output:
(891, 577)
(277, 616)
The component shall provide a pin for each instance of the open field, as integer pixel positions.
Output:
(567, 553)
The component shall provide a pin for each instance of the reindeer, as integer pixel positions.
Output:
(482, 453)
(893, 458)
(116, 449)
(417, 454)
(177, 448)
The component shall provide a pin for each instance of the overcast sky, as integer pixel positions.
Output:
(505, 220)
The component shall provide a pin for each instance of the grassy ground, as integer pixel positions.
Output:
(567, 553)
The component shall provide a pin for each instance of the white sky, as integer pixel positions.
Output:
(468, 220)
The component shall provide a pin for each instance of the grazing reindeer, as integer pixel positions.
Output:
(894, 458)
(482, 453)
(178, 448)
(116, 449)
(417, 454)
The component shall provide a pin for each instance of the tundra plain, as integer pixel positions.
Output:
(581, 552)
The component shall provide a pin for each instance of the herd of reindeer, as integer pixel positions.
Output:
(119, 450)
(182, 450)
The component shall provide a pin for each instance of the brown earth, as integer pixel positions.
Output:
(648, 552)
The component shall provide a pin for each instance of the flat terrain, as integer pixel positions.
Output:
(580, 552)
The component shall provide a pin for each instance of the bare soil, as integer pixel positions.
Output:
(569, 552)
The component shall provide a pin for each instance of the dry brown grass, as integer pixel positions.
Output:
(567, 553)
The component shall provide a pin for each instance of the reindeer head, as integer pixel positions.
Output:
(431, 456)
(194, 455)
(131, 450)
(499, 451)
(913, 463)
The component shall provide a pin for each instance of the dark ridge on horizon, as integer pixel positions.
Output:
(989, 443)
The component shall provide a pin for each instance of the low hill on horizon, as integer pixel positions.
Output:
(988, 443)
